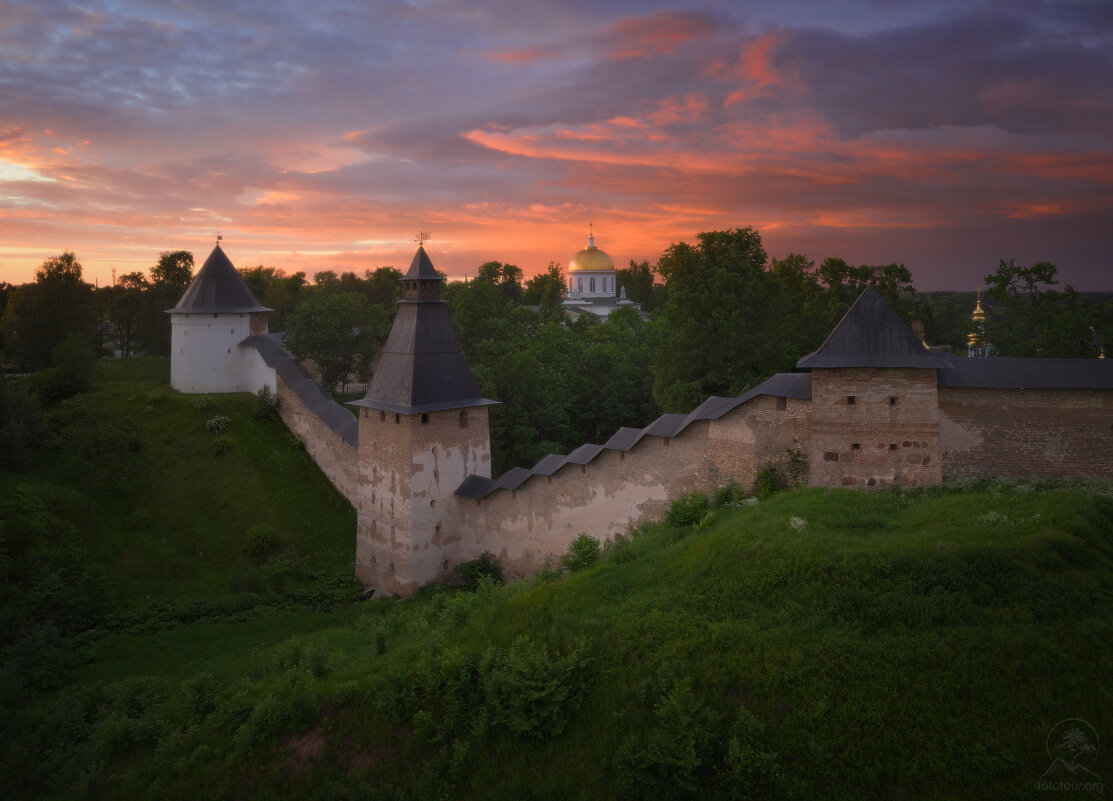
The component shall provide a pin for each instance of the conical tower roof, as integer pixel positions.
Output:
(871, 334)
(218, 289)
(422, 368)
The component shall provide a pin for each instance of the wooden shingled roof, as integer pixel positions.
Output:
(218, 289)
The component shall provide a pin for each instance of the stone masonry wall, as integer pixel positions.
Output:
(874, 428)
(408, 529)
(602, 498)
(336, 458)
(989, 433)
(618, 489)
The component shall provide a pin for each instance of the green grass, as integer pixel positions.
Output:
(916, 644)
(169, 515)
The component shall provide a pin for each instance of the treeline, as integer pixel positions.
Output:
(719, 316)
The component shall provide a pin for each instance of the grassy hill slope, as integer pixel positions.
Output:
(818, 644)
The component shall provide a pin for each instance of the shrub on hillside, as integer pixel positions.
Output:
(688, 510)
(260, 542)
(531, 692)
(582, 552)
(204, 404)
(487, 565)
(729, 494)
(671, 758)
(217, 425)
(766, 482)
(70, 371)
(22, 427)
(266, 403)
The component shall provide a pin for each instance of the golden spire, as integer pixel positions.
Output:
(978, 313)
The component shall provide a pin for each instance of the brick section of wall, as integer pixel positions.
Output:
(888, 435)
(990, 433)
(408, 529)
(335, 457)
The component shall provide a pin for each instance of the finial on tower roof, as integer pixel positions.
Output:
(422, 237)
(590, 234)
(219, 237)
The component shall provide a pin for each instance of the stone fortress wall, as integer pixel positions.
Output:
(877, 409)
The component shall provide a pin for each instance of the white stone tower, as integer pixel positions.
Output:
(215, 314)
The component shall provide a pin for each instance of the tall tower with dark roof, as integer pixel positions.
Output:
(216, 313)
(423, 429)
(875, 403)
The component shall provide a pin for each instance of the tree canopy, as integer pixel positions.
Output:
(339, 333)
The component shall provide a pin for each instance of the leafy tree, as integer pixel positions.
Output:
(546, 290)
(638, 281)
(802, 300)
(327, 280)
(946, 322)
(1030, 319)
(507, 277)
(339, 333)
(260, 279)
(123, 307)
(174, 270)
(70, 371)
(383, 287)
(59, 304)
(845, 283)
(723, 332)
(170, 278)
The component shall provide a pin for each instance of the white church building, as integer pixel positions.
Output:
(592, 283)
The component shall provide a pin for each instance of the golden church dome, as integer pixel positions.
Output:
(591, 259)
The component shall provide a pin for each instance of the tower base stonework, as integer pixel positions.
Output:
(409, 521)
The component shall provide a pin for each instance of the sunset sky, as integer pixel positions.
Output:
(945, 135)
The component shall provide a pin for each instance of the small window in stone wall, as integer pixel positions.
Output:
(782, 404)
(382, 417)
(851, 400)
(425, 419)
(464, 418)
(856, 446)
(892, 446)
(892, 400)
(397, 418)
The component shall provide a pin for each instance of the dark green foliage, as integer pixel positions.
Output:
(726, 495)
(266, 407)
(530, 692)
(583, 551)
(559, 385)
(42, 315)
(50, 577)
(70, 371)
(22, 425)
(688, 510)
(673, 757)
(766, 481)
(720, 301)
(261, 541)
(485, 566)
(339, 333)
(638, 281)
(1027, 318)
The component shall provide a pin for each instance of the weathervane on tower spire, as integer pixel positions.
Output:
(422, 237)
